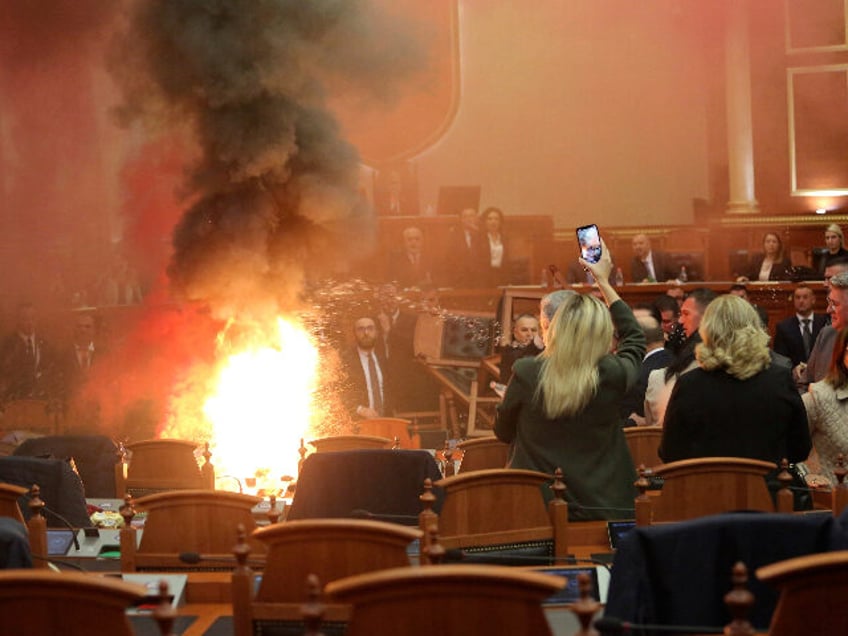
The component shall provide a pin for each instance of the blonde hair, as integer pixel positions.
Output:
(834, 227)
(580, 334)
(732, 338)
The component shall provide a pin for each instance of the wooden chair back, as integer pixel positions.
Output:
(160, 465)
(182, 521)
(329, 548)
(391, 428)
(813, 589)
(36, 526)
(710, 485)
(31, 415)
(70, 603)
(449, 600)
(488, 509)
(350, 442)
(643, 442)
(483, 453)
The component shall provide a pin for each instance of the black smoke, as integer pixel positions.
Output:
(272, 194)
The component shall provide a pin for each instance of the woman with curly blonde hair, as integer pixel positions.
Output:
(737, 404)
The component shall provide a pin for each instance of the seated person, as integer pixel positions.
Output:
(525, 342)
(772, 264)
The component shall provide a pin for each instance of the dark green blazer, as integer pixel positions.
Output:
(590, 446)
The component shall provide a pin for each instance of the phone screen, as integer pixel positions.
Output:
(590, 243)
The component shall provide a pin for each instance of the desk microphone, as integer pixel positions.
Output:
(67, 524)
(193, 558)
(610, 625)
(67, 564)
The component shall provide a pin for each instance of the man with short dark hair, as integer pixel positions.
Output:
(656, 357)
(794, 336)
(367, 394)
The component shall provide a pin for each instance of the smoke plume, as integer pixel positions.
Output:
(273, 192)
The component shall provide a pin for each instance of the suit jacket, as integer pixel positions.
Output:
(788, 340)
(461, 261)
(19, 377)
(356, 387)
(663, 268)
(634, 400)
(713, 414)
(72, 376)
(412, 387)
(401, 269)
(589, 446)
(819, 362)
(782, 270)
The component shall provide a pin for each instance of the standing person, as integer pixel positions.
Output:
(26, 360)
(794, 337)
(75, 363)
(737, 403)
(494, 250)
(656, 357)
(561, 407)
(827, 409)
(661, 381)
(649, 266)
(461, 267)
(818, 363)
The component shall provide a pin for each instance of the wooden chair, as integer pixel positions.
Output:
(486, 512)
(482, 454)
(643, 442)
(159, 465)
(198, 522)
(813, 589)
(350, 442)
(391, 428)
(70, 603)
(449, 600)
(329, 548)
(710, 485)
(36, 526)
(31, 415)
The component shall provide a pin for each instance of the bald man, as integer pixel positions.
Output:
(649, 266)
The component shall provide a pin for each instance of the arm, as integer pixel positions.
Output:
(798, 443)
(674, 443)
(506, 420)
(601, 271)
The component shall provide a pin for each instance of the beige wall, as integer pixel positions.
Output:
(589, 110)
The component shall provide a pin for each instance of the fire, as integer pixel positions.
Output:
(258, 404)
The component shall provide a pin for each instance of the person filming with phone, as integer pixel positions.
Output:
(560, 409)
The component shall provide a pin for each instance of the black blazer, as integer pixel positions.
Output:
(713, 414)
(787, 337)
(356, 387)
(781, 270)
(663, 268)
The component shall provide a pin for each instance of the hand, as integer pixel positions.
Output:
(603, 268)
(799, 373)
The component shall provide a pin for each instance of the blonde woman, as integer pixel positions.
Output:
(834, 241)
(736, 404)
(561, 409)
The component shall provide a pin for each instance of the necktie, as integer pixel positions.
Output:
(649, 267)
(807, 336)
(30, 351)
(376, 394)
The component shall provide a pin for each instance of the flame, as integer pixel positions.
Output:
(258, 404)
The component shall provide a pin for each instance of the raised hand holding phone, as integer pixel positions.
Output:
(589, 240)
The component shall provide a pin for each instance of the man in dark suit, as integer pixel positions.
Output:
(656, 357)
(649, 265)
(366, 392)
(460, 262)
(794, 337)
(412, 266)
(26, 360)
(75, 361)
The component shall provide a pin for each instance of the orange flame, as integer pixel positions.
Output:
(257, 406)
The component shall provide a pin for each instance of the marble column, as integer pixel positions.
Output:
(740, 139)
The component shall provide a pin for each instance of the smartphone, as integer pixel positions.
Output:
(589, 240)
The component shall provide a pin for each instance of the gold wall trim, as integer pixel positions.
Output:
(827, 48)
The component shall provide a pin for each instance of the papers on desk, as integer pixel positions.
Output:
(176, 590)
